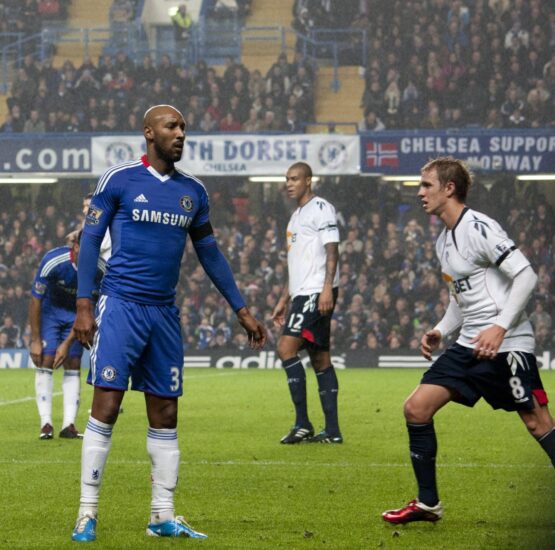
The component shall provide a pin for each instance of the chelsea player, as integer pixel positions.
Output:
(150, 207)
(51, 316)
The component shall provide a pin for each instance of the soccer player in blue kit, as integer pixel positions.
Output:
(51, 316)
(150, 207)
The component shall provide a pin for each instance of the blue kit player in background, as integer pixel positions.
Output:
(51, 316)
(150, 208)
(490, 282)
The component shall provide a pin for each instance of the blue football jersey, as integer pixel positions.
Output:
(149, 216)
(56, 283)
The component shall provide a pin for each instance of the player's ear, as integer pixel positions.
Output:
(148, 133)
(451, 189)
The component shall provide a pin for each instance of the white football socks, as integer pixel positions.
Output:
(43, 391)
(96, 446)
(71, 388)
(163, 449)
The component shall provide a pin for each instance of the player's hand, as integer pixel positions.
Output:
(256, 331)
(278, 315)
(36, 352)
(84, 326)
(61, 354)
(429, 343)
(325, 300)
(488, 342)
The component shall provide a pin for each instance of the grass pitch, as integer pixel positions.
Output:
(246, 491)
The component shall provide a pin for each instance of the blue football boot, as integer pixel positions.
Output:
(177, 527)
(85, 529)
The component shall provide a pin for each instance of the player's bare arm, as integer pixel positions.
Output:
(256, 331)
(325, 301)
(430, 342)
(84, 326)
(36, 340)
(62, 352)
(278, 315)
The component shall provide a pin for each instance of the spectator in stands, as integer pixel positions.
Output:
(50, 9)
(371, 123)
(34, 124)
(122, 11)
(12, 332)
(182, 23)
(229, 124)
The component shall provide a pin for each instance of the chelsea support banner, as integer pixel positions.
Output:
(242, 154)
(405, 152)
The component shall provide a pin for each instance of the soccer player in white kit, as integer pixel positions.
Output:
(490, 283)
(312, 257)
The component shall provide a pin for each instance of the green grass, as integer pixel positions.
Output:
(246, 491)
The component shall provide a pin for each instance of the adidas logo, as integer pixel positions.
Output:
(141, 198)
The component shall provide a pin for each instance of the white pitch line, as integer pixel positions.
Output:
(187, 379)
(25, 399)
(281, 463)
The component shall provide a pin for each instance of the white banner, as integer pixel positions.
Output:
(241, 154)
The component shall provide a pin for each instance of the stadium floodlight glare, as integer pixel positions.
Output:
(536, 177)
(402, 178)
(28, 179)
(275, 179)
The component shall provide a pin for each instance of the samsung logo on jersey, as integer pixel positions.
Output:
(155, 216)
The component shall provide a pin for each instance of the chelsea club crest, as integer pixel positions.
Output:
(186, 203)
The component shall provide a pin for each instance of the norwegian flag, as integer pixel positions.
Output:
(382, 154)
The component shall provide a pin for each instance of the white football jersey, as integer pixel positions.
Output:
(478, 262)
(310, 228)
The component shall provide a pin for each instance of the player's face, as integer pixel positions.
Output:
(86, 204)
(168, 135)
(433, 196)
(297, 184)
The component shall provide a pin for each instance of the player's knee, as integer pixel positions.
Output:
(415, 412)
(284, 351)
(536, 425)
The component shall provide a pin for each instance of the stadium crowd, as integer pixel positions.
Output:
(446, 63)
(28, 16)
(431, 64)
(390, 286)
(112, 96)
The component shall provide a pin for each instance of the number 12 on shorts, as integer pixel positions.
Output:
(295, 321)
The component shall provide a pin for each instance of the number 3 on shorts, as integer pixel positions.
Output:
(175, 379)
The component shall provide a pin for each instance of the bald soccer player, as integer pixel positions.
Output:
(150, 207)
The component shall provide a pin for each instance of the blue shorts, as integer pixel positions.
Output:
(54, 331)
(510, 381)
(138, 341)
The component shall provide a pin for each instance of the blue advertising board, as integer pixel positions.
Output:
(45, 153)
(405, 152)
